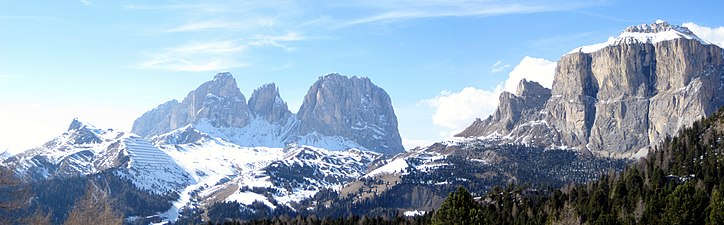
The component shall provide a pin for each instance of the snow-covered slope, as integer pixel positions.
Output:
(225, 171)
(84, 150)
(657, 32)
(4, 155)
(418, 159)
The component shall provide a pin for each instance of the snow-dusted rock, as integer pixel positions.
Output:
(623, 95)
(338, 113)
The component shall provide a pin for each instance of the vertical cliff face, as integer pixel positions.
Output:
(571, 107)
(155, 121)
(219, 102)
(352, 108)
(627, 94)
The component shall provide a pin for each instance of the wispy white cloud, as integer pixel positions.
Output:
(218, 24)
(214, 55)
(86, 2)
(257, 24)
(276, 41)
(196, 57)
(456, 110)
(499, 67)
(199, 7)
(391, 11)
(712, 34)
(406, 14)
(244, 27)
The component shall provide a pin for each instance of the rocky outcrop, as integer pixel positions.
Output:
(622, 97)
(266, 103)
(352, 108)
(156, 121)
(513, 111)
(218, 101)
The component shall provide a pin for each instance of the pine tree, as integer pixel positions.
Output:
(459, 208)
(716, 208)
(683, 206)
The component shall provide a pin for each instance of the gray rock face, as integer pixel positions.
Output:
(353, 108)
(156, 121)
(621, 98)
(514, 110)
(338, 113)
(219, 101)
(266, 103)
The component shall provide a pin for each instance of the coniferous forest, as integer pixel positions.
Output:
(679, 182)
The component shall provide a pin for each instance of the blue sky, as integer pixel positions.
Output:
(443, 62)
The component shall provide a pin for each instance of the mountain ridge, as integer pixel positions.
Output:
(338, 113)
(619, 99)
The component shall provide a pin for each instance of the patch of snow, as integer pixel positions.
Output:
(397, 166)
(247, 198)
(483, 161)
(413, 213)
(336, 143)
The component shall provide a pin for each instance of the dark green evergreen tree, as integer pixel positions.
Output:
(460, 208)
(716, 208)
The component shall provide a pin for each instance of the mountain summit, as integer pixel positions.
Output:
(656, 32)
(338, 113)
(218, 101)
(354, 108)
(617, 97)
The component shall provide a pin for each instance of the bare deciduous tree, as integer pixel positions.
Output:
(38, 218)
(568, 216)
(96, 207)
(13, 194)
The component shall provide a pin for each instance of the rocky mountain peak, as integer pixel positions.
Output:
(218, 102)
(353, 108)
(657, 32)
(83, 133)
(659, 26)
(265, 102)
(619, 97)
(76, 124)
(531, 89)
(513, 110)
(223, 85)
(338, 113)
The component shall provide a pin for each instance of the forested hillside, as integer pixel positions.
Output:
(679, 182)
